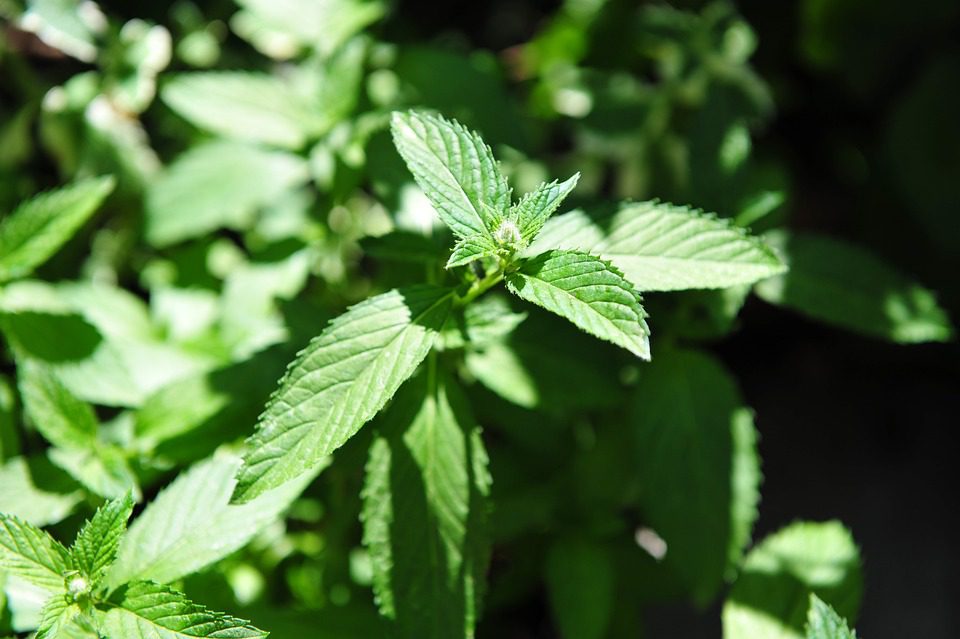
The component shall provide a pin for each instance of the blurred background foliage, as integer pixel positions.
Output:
(258, 193)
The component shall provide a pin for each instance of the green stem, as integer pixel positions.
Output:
(479, 287)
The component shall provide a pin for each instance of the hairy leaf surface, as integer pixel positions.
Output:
(535, 208)
(663, 247)
(425, 511)
(455, 169)
(97, 542)
(823, 622)
(31, 554)
(146, 610)
(42, 224)
(339, 382)
(587, 291)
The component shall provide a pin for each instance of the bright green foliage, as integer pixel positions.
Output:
(581, 585)
(218, 184)
(425, 510)
(772, 593)
(146, 610)
(57, 614)
(98, 541)
(324, 25)
(845, 285)
(587, 291)
(535, 208)
(456, 171)
(696, 450)
(32, 554)
(191, 524)
(62, 418)
(340, 381)
(21, 497)
(823, 622)
(42, 224)
(472, 248)
(663, 247)
(254, 107)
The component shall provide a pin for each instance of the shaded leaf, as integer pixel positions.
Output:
(844, 285)
(425, 510)
(696, 451)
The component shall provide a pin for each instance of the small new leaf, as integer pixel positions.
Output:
(340, 381)
(472, 248)
(30, 553)
(97, 542)
(587, 291)
(146, 610)
(535, 208)
(42, 224)
(455, 169)
(823, 622)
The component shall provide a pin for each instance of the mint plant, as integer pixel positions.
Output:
(427, 478)
(349, 369)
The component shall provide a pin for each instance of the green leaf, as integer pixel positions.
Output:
(483, 321)
(42, 224)
(823, 622)
(60, 417)
(29, 553)
(696, 451)
(339, 382)
(217, 184)
(535, 208)
(771, 596)
(9, 437)
(97, 542)
(472, 248)
(662, 247)
(103, 471)
(587, 291)
(191, 524)
(581, 585)
(455, 169)
(844, 285)
(146, 610)
(253, 107)
(425, 509)
(97, 339)
(404, 246)
(324, 25)
(22, 497)
(57, 614)
(502, 370)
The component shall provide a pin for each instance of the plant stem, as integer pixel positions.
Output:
(479, 287)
